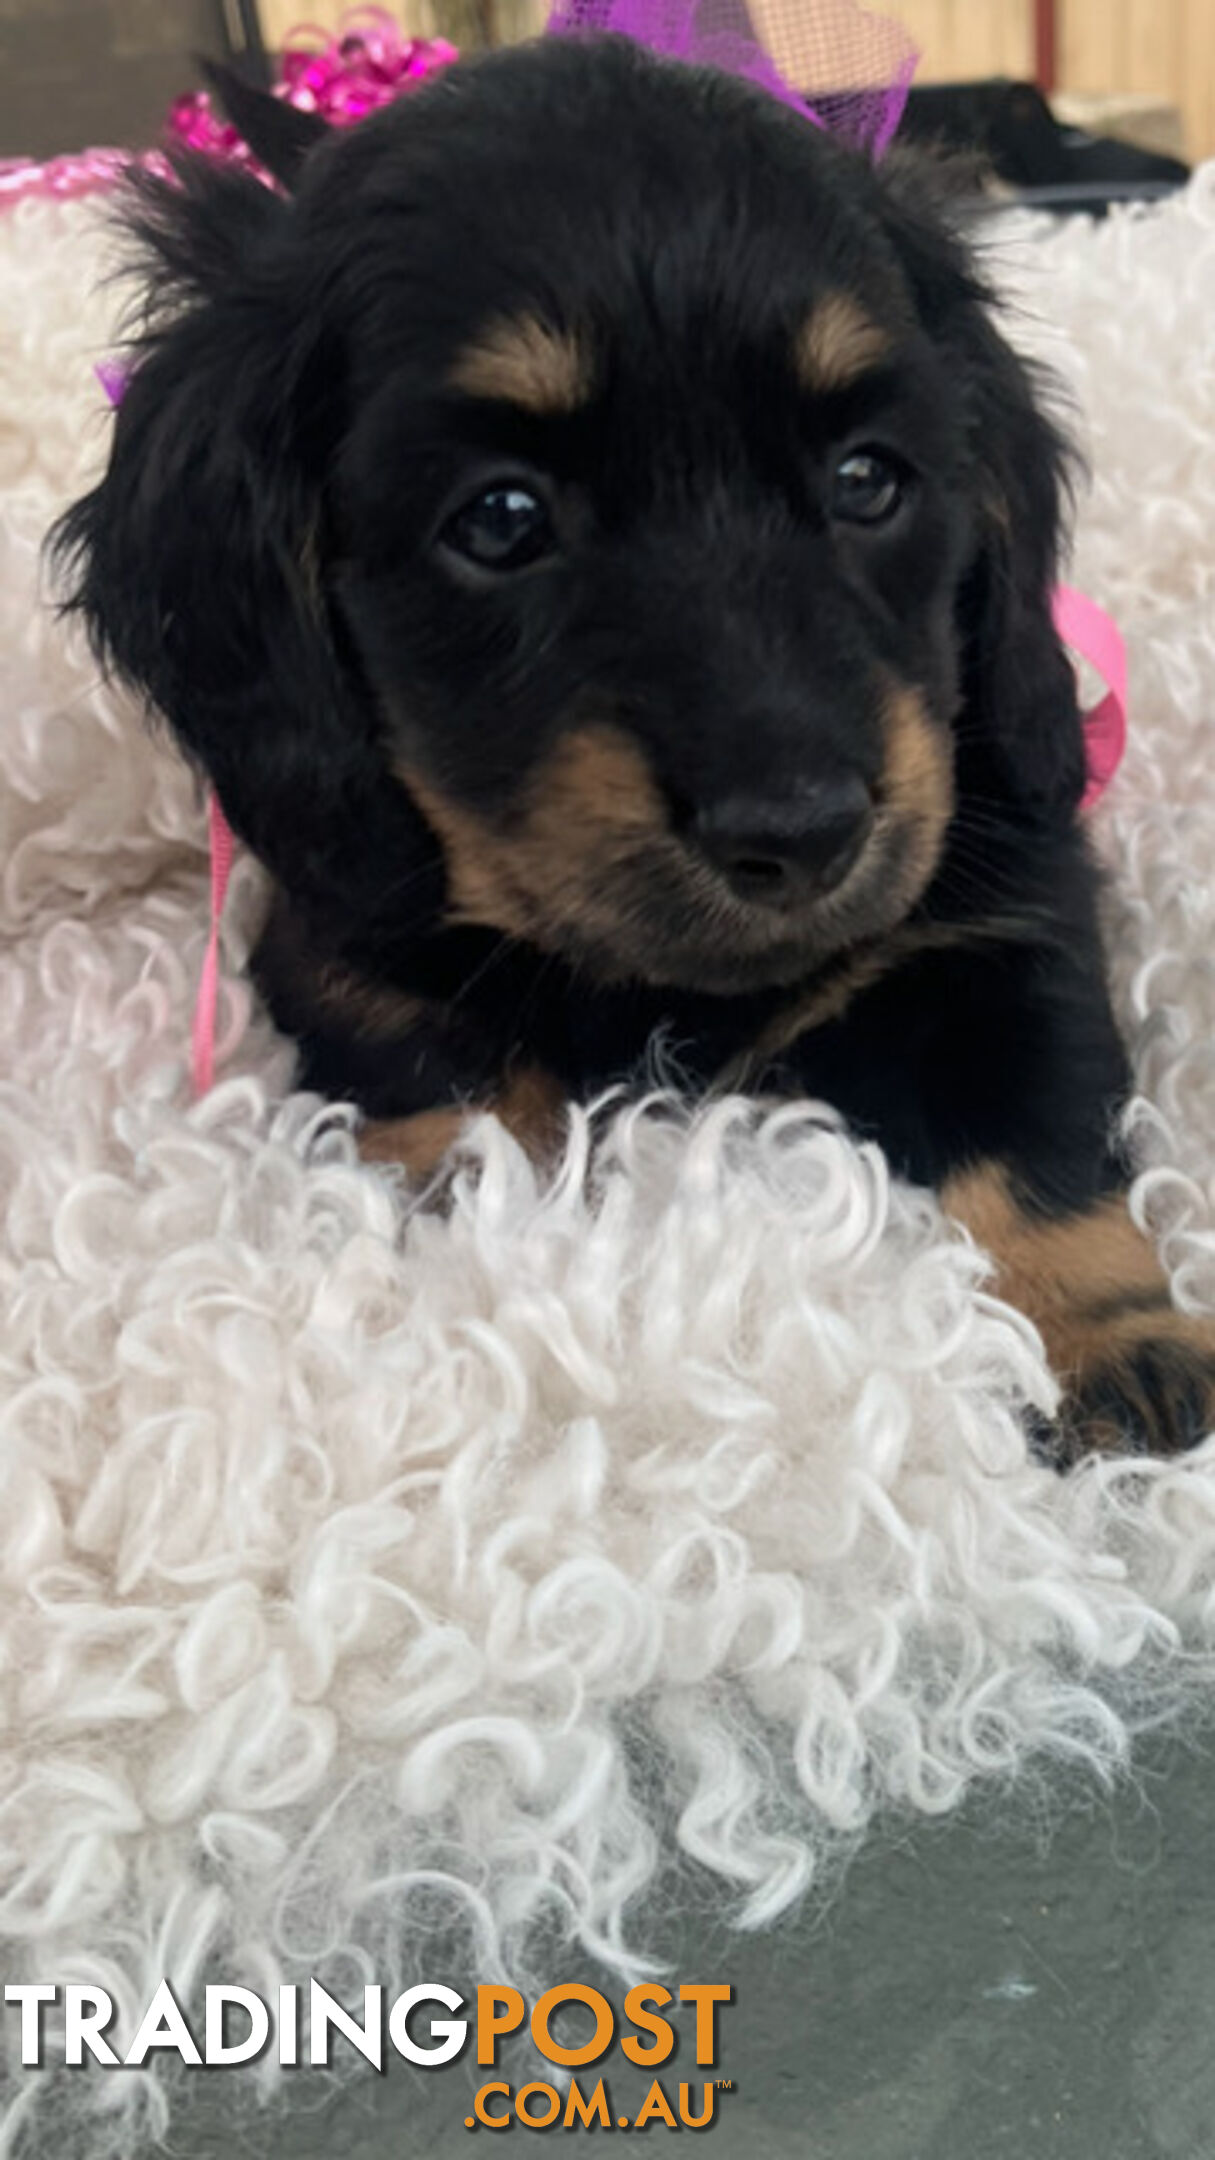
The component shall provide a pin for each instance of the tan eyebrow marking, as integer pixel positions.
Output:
(526, 362)
(838, 342)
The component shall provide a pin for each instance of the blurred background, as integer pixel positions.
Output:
(77, 72)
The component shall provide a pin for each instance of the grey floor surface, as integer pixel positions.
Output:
(977, 1990)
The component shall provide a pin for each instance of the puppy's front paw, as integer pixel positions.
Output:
(418, 1143)
(1138, 1376)
(528, 1102)
(1148, 1389)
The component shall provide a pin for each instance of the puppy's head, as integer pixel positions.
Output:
(596, 505)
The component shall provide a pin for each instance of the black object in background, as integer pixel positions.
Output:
(1010, 127)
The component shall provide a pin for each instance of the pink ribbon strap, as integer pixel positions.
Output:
(208, 982)
(1087, 629)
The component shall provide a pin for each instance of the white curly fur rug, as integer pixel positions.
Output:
(383, 1585)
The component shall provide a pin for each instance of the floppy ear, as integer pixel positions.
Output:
(1020, 702)
(198, 562)
(1019, 685)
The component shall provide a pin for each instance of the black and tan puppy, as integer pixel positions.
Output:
(596, 542)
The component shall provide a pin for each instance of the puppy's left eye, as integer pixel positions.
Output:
(867, 488)
(506, 527)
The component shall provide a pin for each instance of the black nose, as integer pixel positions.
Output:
(780, 851)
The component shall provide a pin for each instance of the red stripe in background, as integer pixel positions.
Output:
(1046, 56)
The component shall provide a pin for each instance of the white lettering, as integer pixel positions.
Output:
(368, 2037)
(219, 2050)
(288, 2024)
(30, 1994)
(454, 2030)
(81, 2032)
(163, 2026)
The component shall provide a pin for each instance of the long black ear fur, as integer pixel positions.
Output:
(197, 562)
(1020, 695)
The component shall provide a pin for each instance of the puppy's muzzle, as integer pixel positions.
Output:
(788, 852)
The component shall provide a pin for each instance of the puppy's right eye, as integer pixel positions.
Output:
(867, 489)
(506, 527)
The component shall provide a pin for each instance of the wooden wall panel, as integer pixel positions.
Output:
(1150, 55)
(962, 38)
(1088, 44)
(1196, 73)
(1163, 47)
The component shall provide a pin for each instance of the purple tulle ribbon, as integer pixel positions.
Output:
(833, 61)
